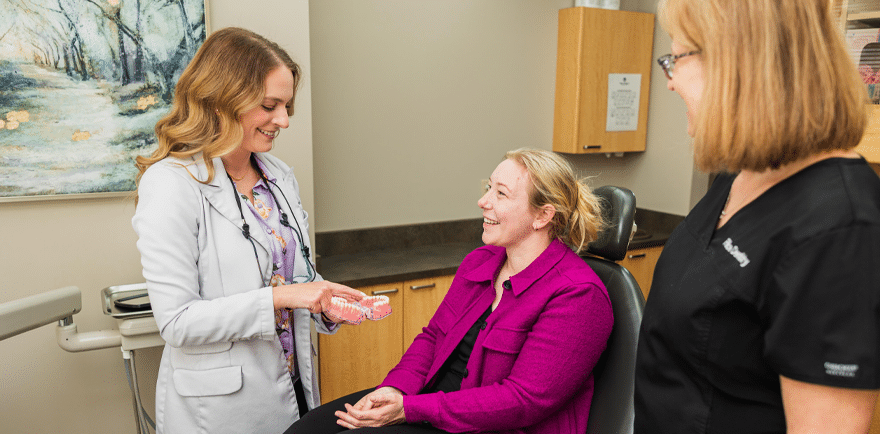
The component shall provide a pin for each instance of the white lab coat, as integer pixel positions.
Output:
(222, 369)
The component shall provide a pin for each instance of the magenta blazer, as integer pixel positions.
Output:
(531, 367)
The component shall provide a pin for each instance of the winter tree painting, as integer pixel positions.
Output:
(82, 84)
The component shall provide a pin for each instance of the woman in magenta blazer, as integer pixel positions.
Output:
(513, 344)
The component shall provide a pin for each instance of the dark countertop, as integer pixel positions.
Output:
(387, 266)
(654, 228)
(654, 240)
(386, 255)
(643, 239)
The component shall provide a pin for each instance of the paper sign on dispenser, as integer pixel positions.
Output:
(623, 102)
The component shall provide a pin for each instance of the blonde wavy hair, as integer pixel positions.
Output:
(779, 83)
(225, 79)
(578, 218)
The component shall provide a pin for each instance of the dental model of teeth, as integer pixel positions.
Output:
(351, 312)
(376, 307)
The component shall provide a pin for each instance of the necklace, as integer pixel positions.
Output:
(237, 179)
(747, 198)
(727, 202)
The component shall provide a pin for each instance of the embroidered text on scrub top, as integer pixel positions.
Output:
(840, 369)
(734, 251)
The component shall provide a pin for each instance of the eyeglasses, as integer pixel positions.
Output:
(667, 62)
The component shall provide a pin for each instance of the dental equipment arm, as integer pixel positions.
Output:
(25, 314)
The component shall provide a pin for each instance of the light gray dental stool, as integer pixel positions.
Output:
(612, 409)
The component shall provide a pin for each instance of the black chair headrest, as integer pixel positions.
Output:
(618, 211)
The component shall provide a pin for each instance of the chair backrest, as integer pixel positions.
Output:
(612, 407)
(618, 211)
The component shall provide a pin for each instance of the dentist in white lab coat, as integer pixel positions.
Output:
(224, 245)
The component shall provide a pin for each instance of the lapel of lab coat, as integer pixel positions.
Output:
(221, 195)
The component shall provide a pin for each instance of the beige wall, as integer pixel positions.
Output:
(411, 104)
(89, 243)
(415, 102)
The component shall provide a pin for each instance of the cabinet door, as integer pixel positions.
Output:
(420, 300)
(641, 262)
(359, 356)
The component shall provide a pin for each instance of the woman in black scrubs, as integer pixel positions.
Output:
(763, 313)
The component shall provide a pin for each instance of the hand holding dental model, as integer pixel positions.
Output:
(316, 297)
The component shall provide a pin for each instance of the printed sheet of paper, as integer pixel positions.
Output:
(623, 102)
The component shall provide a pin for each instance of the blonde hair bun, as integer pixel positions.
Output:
(578, 217)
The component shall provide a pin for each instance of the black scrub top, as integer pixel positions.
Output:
(790, 286)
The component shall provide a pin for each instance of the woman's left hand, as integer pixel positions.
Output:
(379, 408)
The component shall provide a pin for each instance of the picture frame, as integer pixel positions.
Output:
(82, 85)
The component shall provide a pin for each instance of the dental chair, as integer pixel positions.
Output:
(612, 409)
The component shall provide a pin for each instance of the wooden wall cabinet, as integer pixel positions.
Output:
(592, 44)
(641, 263)
(359, 357)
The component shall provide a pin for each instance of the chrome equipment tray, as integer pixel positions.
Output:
(111, 294)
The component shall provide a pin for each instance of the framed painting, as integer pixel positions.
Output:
(82, 84)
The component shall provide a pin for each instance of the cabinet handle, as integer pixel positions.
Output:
(638, 256)
(592, 146)
(430, 285)
(386, 291)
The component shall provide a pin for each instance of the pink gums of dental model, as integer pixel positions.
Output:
(351, 312)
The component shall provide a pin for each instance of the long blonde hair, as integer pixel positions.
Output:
(225, 78)
(578, 217)
(780, 85)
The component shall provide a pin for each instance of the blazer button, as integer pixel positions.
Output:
(506, 284)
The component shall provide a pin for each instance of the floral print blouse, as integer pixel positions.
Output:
(284, 250)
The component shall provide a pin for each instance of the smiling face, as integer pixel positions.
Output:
(262, 123)
(687, 81)
(508, 218)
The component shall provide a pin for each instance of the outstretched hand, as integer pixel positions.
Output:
(381, 407)
(314, 296)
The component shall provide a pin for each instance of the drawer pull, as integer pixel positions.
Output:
(593, 147)
(430, 285)
(638, 256)
(385, 291)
